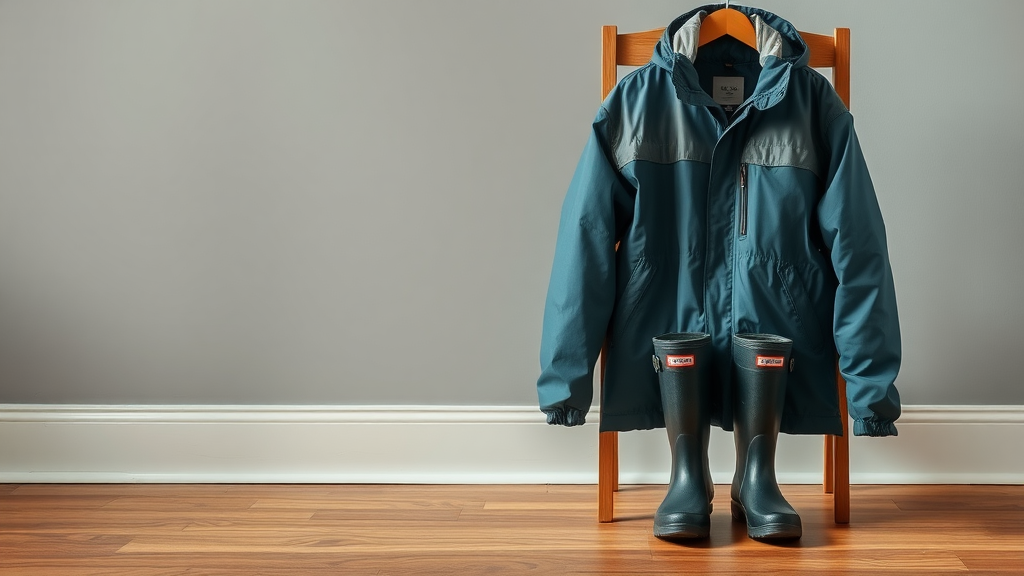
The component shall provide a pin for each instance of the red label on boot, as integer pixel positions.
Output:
(680, 361)
(770, 361)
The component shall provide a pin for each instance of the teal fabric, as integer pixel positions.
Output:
(759, 220)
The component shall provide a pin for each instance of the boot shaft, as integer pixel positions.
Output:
(683, 362)
(762, 364)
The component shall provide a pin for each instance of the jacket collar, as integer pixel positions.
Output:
(779, 45)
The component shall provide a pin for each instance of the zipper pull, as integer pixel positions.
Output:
(743, 199)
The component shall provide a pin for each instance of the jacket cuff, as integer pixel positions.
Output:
(566, 416)
(875, 428)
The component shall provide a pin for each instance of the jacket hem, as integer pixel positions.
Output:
(566, 416)
(815, 425)
(875, 428)
(651, 420)
(635, 421)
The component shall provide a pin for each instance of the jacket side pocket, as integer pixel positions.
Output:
(632, 295)
(802, 308)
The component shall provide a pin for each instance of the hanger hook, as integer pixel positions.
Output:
(726, 4)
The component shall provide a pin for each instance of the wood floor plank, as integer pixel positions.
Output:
(16, 545)
(206, 565)
(104, 570)
(965, 505)
(820, 565)
(14, 501)
(8, 488)
(268, 560)
(119, 529)
(39, 520)
(534, 530)
(1007, 561)
(388, 515)
(393, 540)
(151, 490)
(819, 559)
(405, 503)
(167, 503)
(505, 564)
(305, 520)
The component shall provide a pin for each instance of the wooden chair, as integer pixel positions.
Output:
(635, 49)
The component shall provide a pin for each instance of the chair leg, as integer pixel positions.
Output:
(607, 475)
(828, 474)
(841, 496)
(615, 463)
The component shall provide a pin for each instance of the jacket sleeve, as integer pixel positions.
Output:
(581, 292)
(866, 324)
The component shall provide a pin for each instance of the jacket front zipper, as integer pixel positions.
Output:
(743, 199)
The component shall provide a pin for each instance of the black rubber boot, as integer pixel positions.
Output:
(682, 362)
(762, 367)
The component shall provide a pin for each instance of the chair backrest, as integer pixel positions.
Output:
(635, 49)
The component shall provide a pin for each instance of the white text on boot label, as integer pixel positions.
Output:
(679, 361)
(770, 361)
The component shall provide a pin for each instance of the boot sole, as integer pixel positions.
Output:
(776, 531)
(682, 531)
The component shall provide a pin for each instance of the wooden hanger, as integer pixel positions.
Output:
(727, 21)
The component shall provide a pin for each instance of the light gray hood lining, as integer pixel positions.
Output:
(769, 40)
(686, 38)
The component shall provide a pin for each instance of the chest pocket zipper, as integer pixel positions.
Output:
(743, 199)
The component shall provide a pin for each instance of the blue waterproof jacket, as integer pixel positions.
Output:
(733, 184)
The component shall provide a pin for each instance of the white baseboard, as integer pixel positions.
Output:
(452, 444)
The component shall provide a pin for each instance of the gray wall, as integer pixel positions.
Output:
(356, 201)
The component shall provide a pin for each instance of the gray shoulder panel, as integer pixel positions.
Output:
(667, 152)
(653, 125)
(779, 152)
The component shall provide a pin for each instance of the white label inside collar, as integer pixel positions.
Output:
(727, 90)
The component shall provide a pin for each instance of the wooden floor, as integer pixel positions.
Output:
(378, 530)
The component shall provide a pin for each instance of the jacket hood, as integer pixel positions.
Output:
(775, 37)
(780, 48)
